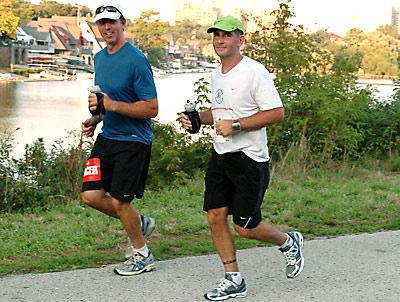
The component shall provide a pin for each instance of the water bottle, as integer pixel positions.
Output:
(193, 115)
(100, 105)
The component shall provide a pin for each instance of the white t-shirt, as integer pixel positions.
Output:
(242, 92)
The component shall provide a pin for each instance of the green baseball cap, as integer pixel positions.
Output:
(227, 23)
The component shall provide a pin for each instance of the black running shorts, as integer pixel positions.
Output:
(238, 182)
(119, 167)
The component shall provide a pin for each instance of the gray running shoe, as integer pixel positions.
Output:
(294, 256)
(148, 226)
(226, 289)
(136, 265)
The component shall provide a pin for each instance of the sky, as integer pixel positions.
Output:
(334, 15)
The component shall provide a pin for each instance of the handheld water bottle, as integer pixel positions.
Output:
(100, 97)
(193, 115)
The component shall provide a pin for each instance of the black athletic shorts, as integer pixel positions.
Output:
(238, 182)
(119, 167)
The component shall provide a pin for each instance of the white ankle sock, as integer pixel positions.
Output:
(144, 251)
(236, 277)
(288, 242)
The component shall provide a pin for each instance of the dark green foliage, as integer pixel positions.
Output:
(382, 132)
(346, 62)
(155, 55)
(394, 163)
(175, 157)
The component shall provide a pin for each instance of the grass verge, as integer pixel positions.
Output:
(321, 202)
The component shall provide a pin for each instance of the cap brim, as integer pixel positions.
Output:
(107, 15)
(230, 29)
(211, 29)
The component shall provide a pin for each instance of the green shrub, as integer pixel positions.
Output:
(175, 157)
(41, 176)
(394, 164)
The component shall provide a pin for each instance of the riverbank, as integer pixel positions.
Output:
(11, 77)
(48, 76)
(377, 82)
(44, 76)
(6, 77)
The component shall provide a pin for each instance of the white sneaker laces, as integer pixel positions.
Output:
(135, 257)
(290, 255)
(224, 284)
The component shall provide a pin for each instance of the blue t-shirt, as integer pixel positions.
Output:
(126, 76)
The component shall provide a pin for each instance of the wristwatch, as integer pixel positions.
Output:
(236, 127)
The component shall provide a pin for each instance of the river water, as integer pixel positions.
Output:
(50, 110)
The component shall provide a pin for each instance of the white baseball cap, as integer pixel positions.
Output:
(108, 10)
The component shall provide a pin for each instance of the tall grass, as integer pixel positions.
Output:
(41, 177)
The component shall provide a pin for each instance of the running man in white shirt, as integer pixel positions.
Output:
(244, 102)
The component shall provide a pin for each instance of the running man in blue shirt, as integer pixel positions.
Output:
(116, 170)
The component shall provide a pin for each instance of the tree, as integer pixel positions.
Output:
(347, 60)
(149, 30)
(24, 10)
(186, 30)
(322, 37)
(367, 53)
(388, 30)
(297, 52)
(354, 36)
(8, 21)
(182, 31)
(155, 55)
(378, 50)
(46, 9)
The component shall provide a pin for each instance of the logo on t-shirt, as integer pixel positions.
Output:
(219, 96)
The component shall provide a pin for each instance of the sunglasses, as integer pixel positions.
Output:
(110, 9)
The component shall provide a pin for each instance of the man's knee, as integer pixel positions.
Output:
(244, 232)
(120, 206)
(92, 198)
(216, 216)
(87, 198)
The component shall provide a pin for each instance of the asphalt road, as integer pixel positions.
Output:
(350, 268)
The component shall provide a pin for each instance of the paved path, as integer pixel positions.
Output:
(350, 268)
